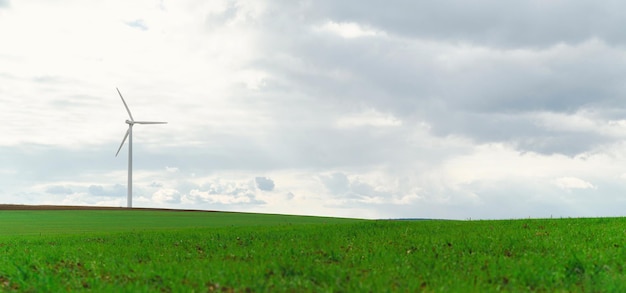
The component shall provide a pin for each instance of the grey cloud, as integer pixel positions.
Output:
(569, 144)
(4, 3)
(264, 183)
(96, 190)
(59, 189)
(340, 185)
(214, 20)
(337, 183)
(364, 189)
(290, 195)
(185, 187)
(521, 130)
(222, 200)
(522, 64)
(515, 23)
(116, 190)
(574, 77)
(224, 193)
(401, 82)
(138, 24)
(295, 144)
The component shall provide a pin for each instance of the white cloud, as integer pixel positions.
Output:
(368, 118)
(349, 30)
(166, 195)
(500, 161)
(568, 183)
(172, 169)
(583, 121)
(207, 197)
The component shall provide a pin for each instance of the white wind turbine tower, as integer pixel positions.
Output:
(129, 135)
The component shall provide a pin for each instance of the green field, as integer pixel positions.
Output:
(151, 251)
(63, 222)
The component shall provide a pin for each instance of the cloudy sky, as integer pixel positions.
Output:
(372, 109)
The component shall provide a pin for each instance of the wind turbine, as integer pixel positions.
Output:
(129, 135)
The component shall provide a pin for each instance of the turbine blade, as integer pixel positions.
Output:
(149, 122)
(126, 106)
(123, 141)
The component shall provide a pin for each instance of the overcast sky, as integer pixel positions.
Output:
(371, 109)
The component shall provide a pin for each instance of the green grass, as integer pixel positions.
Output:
(281, 253)
(57, 222)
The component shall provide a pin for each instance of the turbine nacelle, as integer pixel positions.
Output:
(130, 122)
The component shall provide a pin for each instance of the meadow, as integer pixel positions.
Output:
(148, 251)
